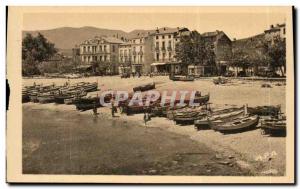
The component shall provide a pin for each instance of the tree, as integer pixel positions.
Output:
(192, 49)
(241, 59)
(35, 50)
(275, 52)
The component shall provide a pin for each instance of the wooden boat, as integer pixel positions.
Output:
(220, 80)
(25, 96)
(264, 110)
(188, 118)
(245, 122)
(33, 96)
(60, 98)
(223, 115)
(145, 87)
(89, 87)
(87, 103)
(202, 99)
(188, 115)
(182, 78)
(273, 126)
(45, 98)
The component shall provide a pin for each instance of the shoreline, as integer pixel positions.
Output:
(254, 161)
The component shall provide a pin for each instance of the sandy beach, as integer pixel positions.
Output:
(247, 153)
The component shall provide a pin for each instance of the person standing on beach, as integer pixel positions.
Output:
(95, 110)
(112, 102)
(147, 116)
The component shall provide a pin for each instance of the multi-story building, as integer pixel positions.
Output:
(164, 43)
(125, 58)
(275, 31)
(141, 55)
(100, 50)
(222, 46)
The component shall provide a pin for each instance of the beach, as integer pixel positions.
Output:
(57, 139)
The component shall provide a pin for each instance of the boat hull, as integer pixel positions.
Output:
(242, 124)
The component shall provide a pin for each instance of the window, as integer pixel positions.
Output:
(141, 40)
(105, 58)
(88, 48)
(170, 56)
(113, 48)
(141, 48)
(157, 45)
(134, 59)
(100, 48)
(170, 44)
(100, 58)
(283, 31)
(170, 36)
(163, 45)
(133, 41)
(104, 48)
(157, 37)
(163, 37)
(163, 56)
(84, 50)
(157, 56)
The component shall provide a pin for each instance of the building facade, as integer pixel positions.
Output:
(102, 50)
(275, 31)
(164, 43)
(222, 47)
(151, 51)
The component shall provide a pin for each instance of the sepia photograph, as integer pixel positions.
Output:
(150, 95)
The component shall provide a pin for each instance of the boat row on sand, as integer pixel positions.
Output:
(58, 94)
(181, 78)
(240, 119)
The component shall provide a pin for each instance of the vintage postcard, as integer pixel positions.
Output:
(150, 95)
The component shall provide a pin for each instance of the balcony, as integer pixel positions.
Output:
(141, 53)
(156, 48)
(169, 48)
(134, 52)
(163, 48)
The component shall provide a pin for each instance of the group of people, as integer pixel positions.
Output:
(147, 111)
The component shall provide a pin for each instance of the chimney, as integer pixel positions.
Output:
(164, 29)
(157, 30)
(272, 26)
(138, 34)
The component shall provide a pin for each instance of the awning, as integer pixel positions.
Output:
(158, 63)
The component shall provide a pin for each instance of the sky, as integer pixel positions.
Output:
(238, 23)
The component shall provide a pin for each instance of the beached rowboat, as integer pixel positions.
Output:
(273, 125)
(145, 87)
(223, 115)
(239, 124)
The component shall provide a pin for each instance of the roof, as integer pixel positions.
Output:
(166, 30)
(113, 40)
(275, 28)
(218, 34)
(96, 40)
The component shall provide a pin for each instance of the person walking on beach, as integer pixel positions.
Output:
(147, 116)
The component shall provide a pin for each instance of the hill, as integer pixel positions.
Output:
(68, 37)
